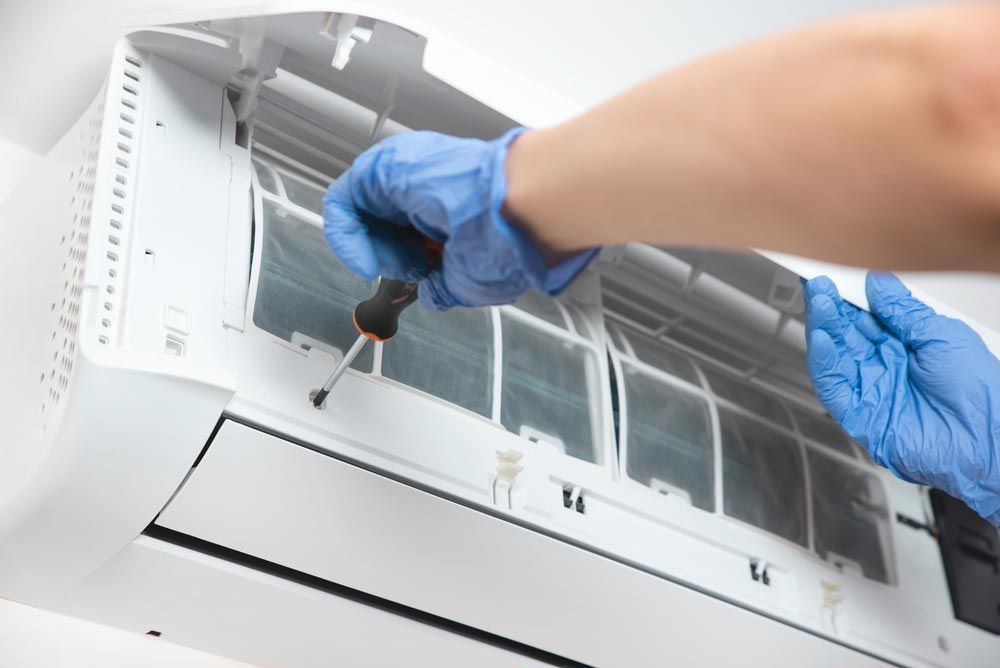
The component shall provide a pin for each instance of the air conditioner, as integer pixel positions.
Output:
(634, 474)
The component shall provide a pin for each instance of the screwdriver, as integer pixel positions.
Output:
(377, 319)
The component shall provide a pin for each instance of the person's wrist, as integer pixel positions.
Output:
(521, 206)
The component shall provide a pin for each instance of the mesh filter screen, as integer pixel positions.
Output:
(750, 398)
(448, 354)
(549, 386)
(541, 307)
(850, 516)
(662, 357)
(669, 437)
(762, 477)
(304, 194)
(824, 431)
(265, 178)
(304, 288)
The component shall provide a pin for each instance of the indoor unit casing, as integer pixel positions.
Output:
(621, 476)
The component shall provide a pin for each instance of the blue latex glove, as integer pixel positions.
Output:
(451, 190)
(921, 391)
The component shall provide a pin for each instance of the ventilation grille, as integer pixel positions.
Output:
(115, 234)
(66, 309)
(100, 207)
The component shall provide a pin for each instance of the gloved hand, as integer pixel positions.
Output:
(921, 391)
(451, 190)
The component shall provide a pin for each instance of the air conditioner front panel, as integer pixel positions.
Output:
(423, 551)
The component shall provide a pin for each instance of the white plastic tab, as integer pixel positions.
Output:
(831, 617)
(503, 482)
(260, 62)
(344, 29)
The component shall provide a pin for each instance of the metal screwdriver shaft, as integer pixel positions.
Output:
(377, 318)
(320, 396)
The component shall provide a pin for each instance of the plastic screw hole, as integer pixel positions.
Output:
(103, 340)
(312, 399)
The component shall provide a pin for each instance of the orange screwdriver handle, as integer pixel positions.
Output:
(378, 317)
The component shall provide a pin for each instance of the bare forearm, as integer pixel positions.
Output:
(873, 141)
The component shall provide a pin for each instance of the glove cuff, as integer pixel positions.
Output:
(537, 273)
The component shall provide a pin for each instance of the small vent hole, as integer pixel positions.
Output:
(134, 76)
(125, 133)
(116, 224)
(130, 89)
(133, 62)
(121, 162)
(128, 104)
(124, 148)
(128, 118)
(117, 208)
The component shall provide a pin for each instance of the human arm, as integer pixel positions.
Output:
(872, 140)
(919, 390)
